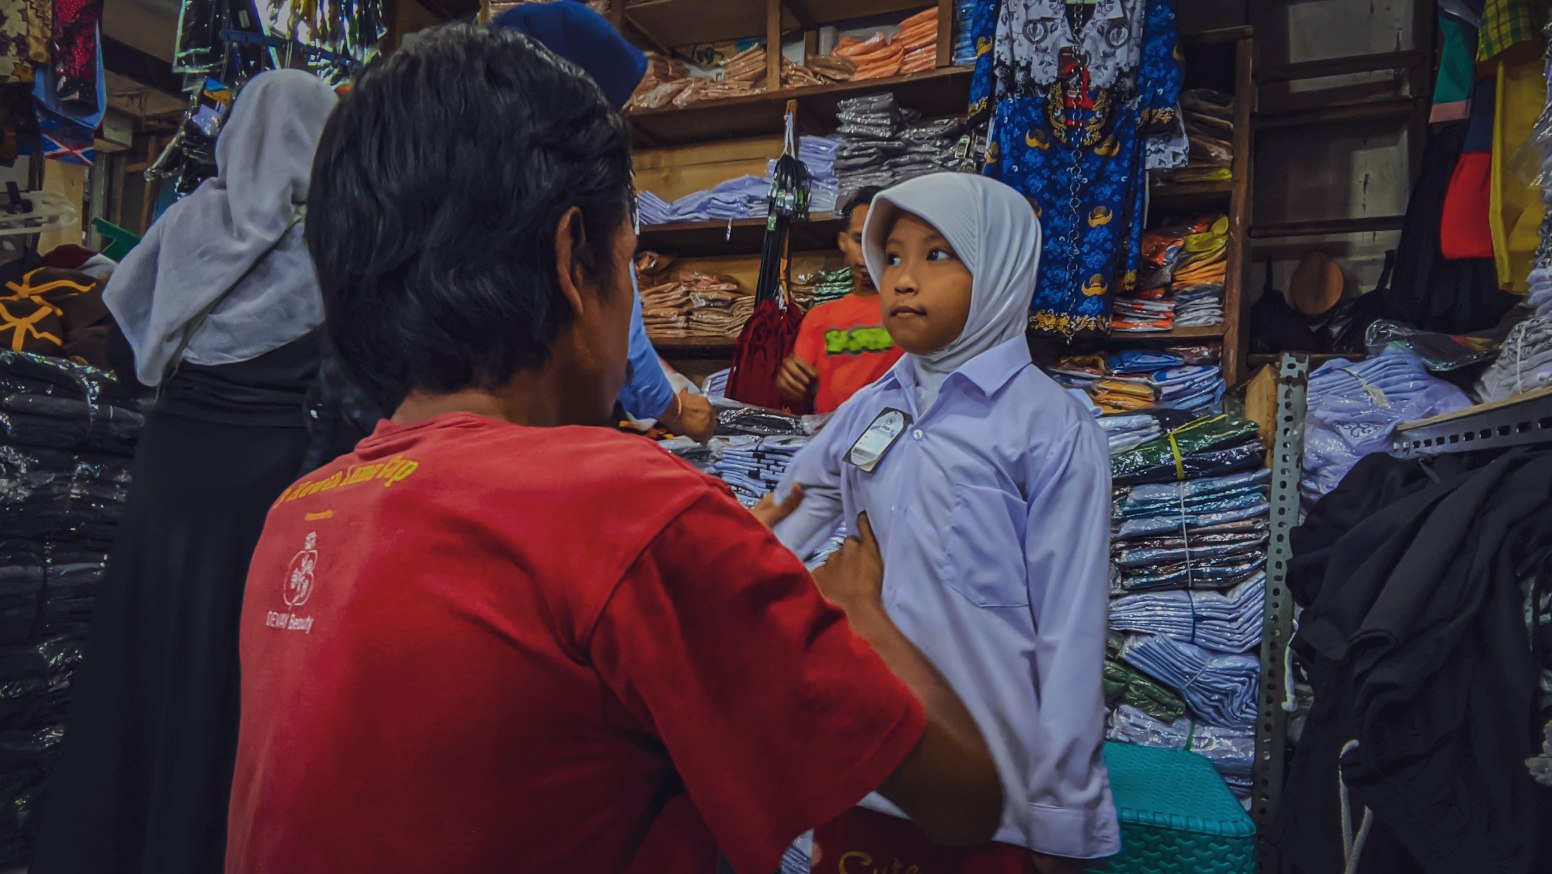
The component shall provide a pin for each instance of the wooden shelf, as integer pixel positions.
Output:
(693, 347)
(1211, 332)
(1191, 195)
(936, 92)
(740, 237)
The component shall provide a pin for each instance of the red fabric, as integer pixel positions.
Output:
(67, 257)
(472, 646)
(846, 342)
(763, 345)
(864, 842)
(75, 50)
(1465, 231)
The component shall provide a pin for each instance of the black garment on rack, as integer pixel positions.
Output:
(1430, 291)
(146, 769)
(1414, 637)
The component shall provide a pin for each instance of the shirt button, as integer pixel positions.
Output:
(917, 434)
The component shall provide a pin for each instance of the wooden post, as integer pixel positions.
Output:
(945, 32)
(773, 45)
(1236, 314)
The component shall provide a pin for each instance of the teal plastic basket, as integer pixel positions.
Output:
(1177, 815)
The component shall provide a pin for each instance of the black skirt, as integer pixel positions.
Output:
(146, 765)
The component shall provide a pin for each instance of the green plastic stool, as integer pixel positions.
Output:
(120, 241)
(1177, 815)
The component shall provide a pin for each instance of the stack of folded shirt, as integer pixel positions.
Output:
(699, 306)
(1158, 529)
(810, 289)
(744, 197)
(1228, 621)
(753, 466)
(1219, 689)
(1524, 363)
(818, 155)
(1232, 752)
(1209, 121)
(918, 41)
(881, 144)
(654, 210)
(964, 40)
(1181, 280)
(1132, 381)
(1353, 408)
(665, 78)
(1125, 686)
(716, 384)
(1129, 431)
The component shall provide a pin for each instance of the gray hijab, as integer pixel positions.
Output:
(225, 270)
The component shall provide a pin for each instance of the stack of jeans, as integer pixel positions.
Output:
(1354, 408)
(67, 433)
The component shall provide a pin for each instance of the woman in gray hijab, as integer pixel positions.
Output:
(221, 307)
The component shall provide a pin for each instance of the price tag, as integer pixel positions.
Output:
(875, 442)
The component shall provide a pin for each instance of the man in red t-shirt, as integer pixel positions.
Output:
(842, 346)
(492, 640)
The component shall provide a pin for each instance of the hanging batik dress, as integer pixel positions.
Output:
(1075, 118)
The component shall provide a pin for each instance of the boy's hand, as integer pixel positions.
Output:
(692, 416)
(796, 379)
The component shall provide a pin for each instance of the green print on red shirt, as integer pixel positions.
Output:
(857, 341)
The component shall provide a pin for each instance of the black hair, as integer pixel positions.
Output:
(436, 192)
(862, 197)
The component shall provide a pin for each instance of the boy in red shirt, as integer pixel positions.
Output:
(842, 345)
(492, 640)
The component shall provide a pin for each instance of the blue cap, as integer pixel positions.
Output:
(585, 38)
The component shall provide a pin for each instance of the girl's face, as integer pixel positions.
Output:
(925, 288)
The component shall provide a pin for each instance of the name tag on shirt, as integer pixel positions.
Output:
(876, 441)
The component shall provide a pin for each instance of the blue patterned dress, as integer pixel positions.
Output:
(1074, 121)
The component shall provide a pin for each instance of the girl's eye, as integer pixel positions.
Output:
(940, 255)
(892, 259)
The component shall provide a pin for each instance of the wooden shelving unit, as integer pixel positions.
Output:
(746, 124)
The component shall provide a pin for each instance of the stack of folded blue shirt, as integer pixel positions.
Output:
(654, 210)
(1232, 752)
(964, 40)
(753, 466)
(1219, 689)
(1228, 622)
(744, 197)
(1524, 364)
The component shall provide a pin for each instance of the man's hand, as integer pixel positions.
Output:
(769, 512)
(690, 415)
(853, 578)
(796, 379)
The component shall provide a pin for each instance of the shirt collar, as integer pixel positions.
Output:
(1058, 8)
(989, 371)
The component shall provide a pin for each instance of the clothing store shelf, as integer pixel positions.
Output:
(666, 24)
(693, 347)
(1315, 358)
(1328, 227)
(1191, 195)
(738, 237)
(1382, 110)
(1515, 422)
(1211, 332)
(943, 91)
(1345, 66)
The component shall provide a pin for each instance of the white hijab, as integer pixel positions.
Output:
(994, 231)
(231, 251)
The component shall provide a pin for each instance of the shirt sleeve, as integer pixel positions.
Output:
(647, 392)
(1164, 68)
(1069, 580)
(776, 716)
(817, 468)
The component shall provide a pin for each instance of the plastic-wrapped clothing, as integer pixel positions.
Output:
(1233, 753)
(1219, 689)
(1523, 365)
(1138, 553)
(1221, 573)
(1354, 408)
(1126, 686)
(1228, 621)
(1183, 453)
(1189, 524)
(64, 423)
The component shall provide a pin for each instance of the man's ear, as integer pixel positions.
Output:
(570, 242)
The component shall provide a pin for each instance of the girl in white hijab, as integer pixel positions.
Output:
(220, 304)
(988, 488)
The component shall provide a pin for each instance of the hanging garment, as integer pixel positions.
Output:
(1070, 113)
(76, 51)
(1517, 209)
(1429, 289)
(25, 29)
(1457, 69)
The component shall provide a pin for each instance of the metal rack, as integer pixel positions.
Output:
(1516, 422)
(1272, 719)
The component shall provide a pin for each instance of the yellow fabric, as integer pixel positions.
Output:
(1516, 210)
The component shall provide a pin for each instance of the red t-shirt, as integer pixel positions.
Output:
(473, 646)
(846, 342)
